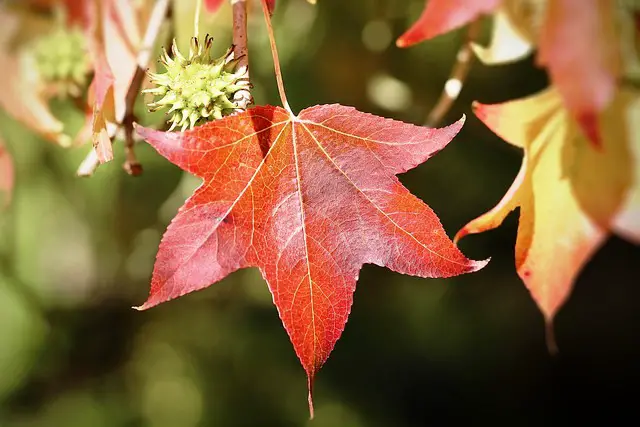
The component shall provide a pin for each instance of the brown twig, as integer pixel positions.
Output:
(131, 165)
(242, 98)
(456, 79)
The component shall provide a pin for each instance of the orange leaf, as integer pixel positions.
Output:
(568, 192)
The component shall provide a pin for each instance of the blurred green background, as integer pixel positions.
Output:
(76, 254)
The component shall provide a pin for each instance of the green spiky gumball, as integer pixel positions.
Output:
(198, 89)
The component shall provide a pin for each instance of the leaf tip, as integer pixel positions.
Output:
(401, 42)
(462, 120)
(489, 114)
(455, 127)
(477, 108)
(144, 306)
(479, 265)
(475, 265)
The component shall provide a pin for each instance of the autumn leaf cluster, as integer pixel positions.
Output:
(309, 198)
(580, 174)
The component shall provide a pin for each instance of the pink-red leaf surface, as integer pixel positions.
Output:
(441, 16)
(307, 199)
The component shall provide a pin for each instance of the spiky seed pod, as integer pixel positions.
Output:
(62, 60)
(198, 89)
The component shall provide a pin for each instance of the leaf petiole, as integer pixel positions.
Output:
(274, 53)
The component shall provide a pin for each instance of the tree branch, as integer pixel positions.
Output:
(131, 165)
(243, 97)
(458, 75)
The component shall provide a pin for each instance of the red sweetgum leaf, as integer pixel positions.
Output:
(307, 199)
(442, 16)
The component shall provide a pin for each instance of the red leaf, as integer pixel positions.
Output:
(307, 199)
(6, 176)
(442, 16)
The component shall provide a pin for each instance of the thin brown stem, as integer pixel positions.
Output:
(550, 338)
(242, 98)
(456, 79)
(274, 53)
(127, 118)
(240, 32)
(131, 164)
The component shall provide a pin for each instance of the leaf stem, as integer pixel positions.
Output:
(456, 79)
(310, 397)
(240, 49)
(550, 338)
(274, 53)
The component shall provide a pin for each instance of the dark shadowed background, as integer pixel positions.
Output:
(78, 253)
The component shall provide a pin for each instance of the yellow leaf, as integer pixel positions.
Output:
(627, 222)
(568, 191)
(513, 33)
